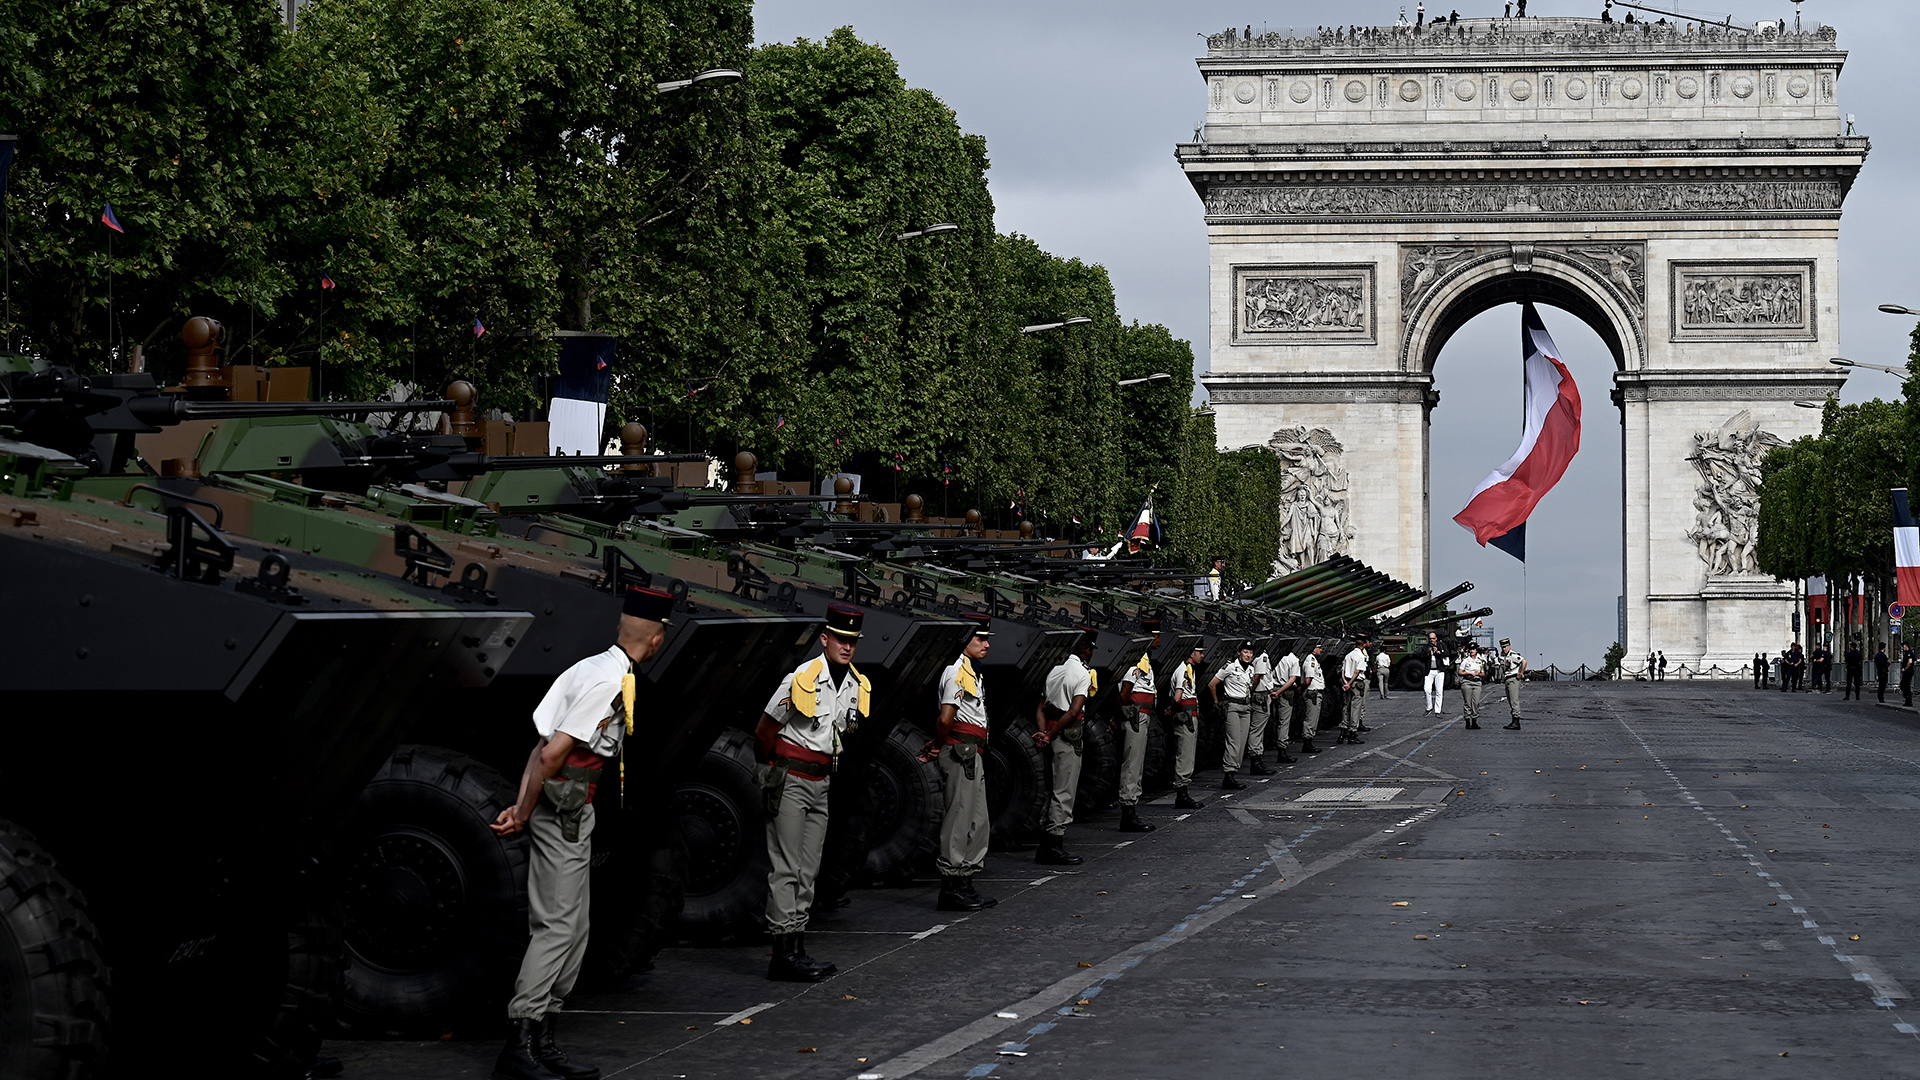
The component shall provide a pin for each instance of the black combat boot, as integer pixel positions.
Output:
(1184, 801)
(1130, 821)
(1228, 783)
(1512, 725)
(824, 967)
(983, 901)
(1258, 767)
(1286, 758)
(1053, 852)
(555, 1059)
(785, 965)
(1307, 747)
(517, 1062)
(955, 896)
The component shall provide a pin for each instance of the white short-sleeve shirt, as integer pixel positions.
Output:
(1068, 680)
(1316, 672)
(1236, 678)
(581, 702)
(835, 706)
(1286, 670)
(1141, 675)
(969, 708)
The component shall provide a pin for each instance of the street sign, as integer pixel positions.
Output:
(1896, 611)
(1893, 626)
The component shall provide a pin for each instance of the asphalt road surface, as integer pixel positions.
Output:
(1677, 880)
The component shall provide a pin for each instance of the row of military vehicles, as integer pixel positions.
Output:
(271, 664)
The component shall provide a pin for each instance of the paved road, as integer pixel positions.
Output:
(1677, 880)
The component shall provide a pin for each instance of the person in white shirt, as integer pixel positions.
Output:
(1259, 715)
(1060, 724)
(1235, 682)
(1436, 681)
(798, 744)
(1214, 577)
(961, 743)
(1315, 668)
(581, 723)
(1382, 668)
(1472, 670)
(1353, 685)
(1513, 671)
(1285, 684)
(1138, 701)
(1183, 722)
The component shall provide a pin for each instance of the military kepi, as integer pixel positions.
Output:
(651, 604)
(1150, 624)
(982, 623)
(845, 620)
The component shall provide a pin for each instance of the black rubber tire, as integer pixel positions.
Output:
(434, 904)
(308, 975)
(724, 820)
(1157, 773)
(54, 985)
(904, 806)
(639, 882)
(1016, 784)
(1411, 674)
(1099, 771)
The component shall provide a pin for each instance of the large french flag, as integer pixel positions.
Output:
(1497, 512)
(1906, 549)
(1817, 604)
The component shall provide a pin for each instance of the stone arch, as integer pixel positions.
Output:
(1558, 278)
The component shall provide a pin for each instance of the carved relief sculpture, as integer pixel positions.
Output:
(1421, 267)
(1457, 199)
(1768, 301)
(1623, 265)
(1726, 501)
(1314, 520)
(1303, 304)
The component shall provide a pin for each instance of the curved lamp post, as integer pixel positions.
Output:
(1077, 320)
(931, 230)
(709, 75)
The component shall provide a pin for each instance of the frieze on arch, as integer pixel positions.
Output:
(1265, 201)
(1623, 267)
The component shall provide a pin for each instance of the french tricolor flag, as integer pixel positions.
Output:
(1817, 604)
(1906, 549)
(1498, 509)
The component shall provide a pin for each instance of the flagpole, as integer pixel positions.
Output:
(112, 340)
(320, 352)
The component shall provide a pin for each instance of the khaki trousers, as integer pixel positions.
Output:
(1066, 782)
(1133, 750)
(1260, 714)
(1470, 696)
(1310, 723)
(1355, 708)
(1239, 721)
(1184, 729)
(795, 837)
(1513, 697)
(1283, 719)
(557, 873)
(965, 829)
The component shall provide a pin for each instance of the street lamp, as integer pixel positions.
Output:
(724, 74)
(1839, 361)
(1155, 377)
(1811, 404)
(1077, 320)
(931, 230)
(1897, 309)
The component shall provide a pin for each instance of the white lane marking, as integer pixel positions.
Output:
(744, 1013)
(1242, 816)
(928, 932)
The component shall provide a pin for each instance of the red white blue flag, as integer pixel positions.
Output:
(1906, 550)
(108, 219)
(1146, 526)
(1498, 510)
(326, 282)
(479, 328)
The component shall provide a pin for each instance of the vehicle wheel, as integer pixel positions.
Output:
(434, 904)
(1211, 748)
(53, 983)
(1157, 773)
(1016, 784)
(1099, 770)
(725, 825)
(285, 973)
(1411, 674)
(904, 805)
(639, 884)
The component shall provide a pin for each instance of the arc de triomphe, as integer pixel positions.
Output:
(1678, 189)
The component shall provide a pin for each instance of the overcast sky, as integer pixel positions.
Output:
(1081, 103)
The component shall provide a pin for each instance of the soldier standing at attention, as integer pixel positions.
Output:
(1436, 681)
(1259, 715)
(961, 742)
(1353, 684)
(1472, 669)
(1184, 725)
(1138, 696)
(1235, 681)
(581, 722)
(1316, 674)
(1513, 669)
(1382, 668)
(1061, 723)
(1286, 684)
(1852, 657)
(798, 741)
(1880, 663)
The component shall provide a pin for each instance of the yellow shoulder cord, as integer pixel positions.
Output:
(805, 692)
(1093, 682)
(967, 679)
(866, 692)
(627, 689)
(1145, 664)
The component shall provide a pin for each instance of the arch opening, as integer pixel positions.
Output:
(1513, 288)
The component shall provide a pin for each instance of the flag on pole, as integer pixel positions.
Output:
(1906, 549)
(108, 219)
(1497, 511)
(479, 328)
(1817, 607)
(1146, 526)
(326, 282)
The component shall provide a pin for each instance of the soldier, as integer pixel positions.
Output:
(1061, 722)
(798, 740)
(1513, 668)
(1259, 715)
(1236, 680)
(1316, 673)
(1471, 670)
(1183, 724)
(1137, 700)
(1353, 684)
(583, 718)
(961, 743)
(1286, 686)
(1382, 667)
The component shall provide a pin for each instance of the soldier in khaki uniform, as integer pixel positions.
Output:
(961, 742)
(1353, 684)
(1286, 685)
(1138, 698)
(1259, 715)
(581, 722)
(1183, 724)
(1513, 671)
(1060, 722)
(799, 744)
(1472, 670)
(1235, 683)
